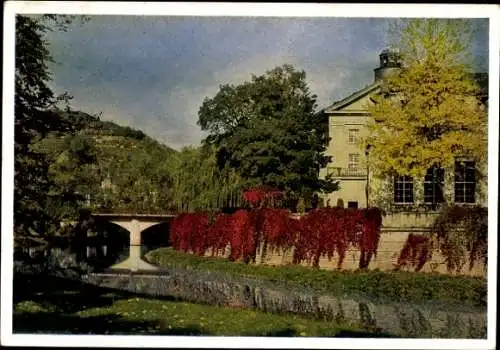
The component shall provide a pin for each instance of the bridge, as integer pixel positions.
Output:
(135, 224)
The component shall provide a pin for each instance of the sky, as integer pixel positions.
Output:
(153, 72)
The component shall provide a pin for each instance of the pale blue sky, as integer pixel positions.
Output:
(152, 73)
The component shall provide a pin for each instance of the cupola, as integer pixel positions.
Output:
(389, 62)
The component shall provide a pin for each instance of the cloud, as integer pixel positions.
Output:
(152, 73)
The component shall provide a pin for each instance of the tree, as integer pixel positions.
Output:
(268, 130)
(199, 184)
(33, 98)
(96, 169)
(34, 118)
(428, 114)
(134, 170)
(72, 172)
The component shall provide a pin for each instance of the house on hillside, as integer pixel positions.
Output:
(358, 188)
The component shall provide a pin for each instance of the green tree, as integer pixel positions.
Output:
(138, 171)
(73, 173)
(429, 113)
(199, 184)
(35, 117)
(89, 168)
(268, 130)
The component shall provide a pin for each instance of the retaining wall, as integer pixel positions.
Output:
(391, 243)
(389, 249)
(402, 319)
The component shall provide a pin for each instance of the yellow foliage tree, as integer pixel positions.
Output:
(429, 112)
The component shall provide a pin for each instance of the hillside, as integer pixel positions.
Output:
(104, 166)
(81, 121)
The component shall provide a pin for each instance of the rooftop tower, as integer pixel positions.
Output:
(389, 62)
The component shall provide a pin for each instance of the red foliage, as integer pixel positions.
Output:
(371, 235)
(416, 251)
(261, 195)
(276, 227)
(321, 232)
(219, 233)
(326, 231)
(473, 222)
(242, 240)
(189, 231)
(329, 230)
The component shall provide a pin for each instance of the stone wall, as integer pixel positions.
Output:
(395, 231)
(402, 319)
(390, 246)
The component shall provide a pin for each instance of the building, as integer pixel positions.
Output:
(347, 120)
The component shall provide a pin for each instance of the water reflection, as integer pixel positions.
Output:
(98, 256)
(97, 252)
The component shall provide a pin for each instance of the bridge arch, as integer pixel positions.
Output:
(157, 236)
(108, 245)
(135, 224)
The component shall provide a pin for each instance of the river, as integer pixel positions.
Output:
(404, 319)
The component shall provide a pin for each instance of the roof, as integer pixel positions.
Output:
(353, 97)
(481, 79)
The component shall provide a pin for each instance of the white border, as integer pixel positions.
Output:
(241, 9)
(7, 174)
(251, 9)
(493, 121)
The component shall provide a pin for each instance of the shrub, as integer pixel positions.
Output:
(459, 232)
(243, 238)
(328, 230)
(264, 196)
(276, 227)
(189, 232)
(322, 232)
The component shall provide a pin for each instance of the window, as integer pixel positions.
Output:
(465, 182)
(352, 205)
(403, 189)
(353, 164)
(434, 185)
(353, 136)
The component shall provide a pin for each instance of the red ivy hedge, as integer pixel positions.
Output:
(262, 195)
(326, 231)
(473, 222)
(189, 232)
(322, 232)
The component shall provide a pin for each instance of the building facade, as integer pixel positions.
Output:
(348, 120)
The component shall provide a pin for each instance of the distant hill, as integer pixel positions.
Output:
(104, 130)
(106, 165)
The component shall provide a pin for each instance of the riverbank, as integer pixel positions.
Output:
(53, 305)
(405, 319)
(394, 285)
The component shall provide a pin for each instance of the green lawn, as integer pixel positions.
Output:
(396, 285)
(54, 305)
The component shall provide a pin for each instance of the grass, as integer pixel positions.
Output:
(53, 305)
(394, 285)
